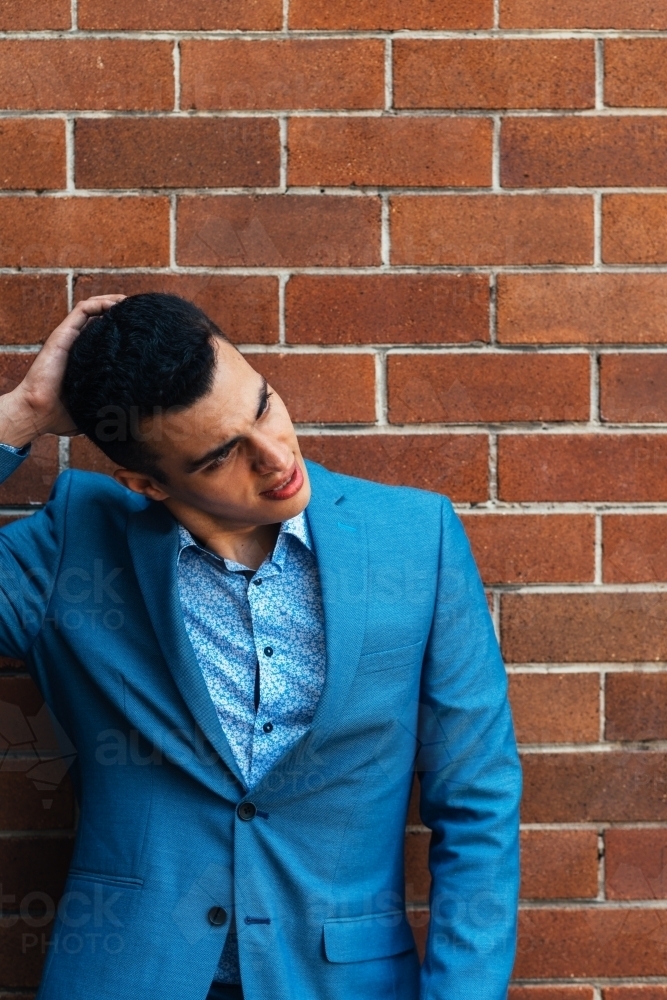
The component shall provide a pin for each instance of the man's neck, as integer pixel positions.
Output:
(247, 544)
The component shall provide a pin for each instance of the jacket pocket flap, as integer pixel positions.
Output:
(358, 939)
(384, 659)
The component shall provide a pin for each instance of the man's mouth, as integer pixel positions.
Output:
(288, 488)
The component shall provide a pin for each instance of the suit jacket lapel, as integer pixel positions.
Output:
(341, 549)
(153, 541)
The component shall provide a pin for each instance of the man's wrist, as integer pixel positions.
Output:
(19, 425)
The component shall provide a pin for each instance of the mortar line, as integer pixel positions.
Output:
(388, 74)
(599, 73)
(493, 308)
(176, 56)
(598, 549)
(603, 704)
(495, 155)
(286, 16)
(597, 230)
(282, 320)
(70, 290)
(493, 468)
(496, 14)
(495, 615)
(381, 400)
(70, 154)
(310, 34)
(595, 415)
(74, 9)
(284, 152)
(63, 453)
(385, 233)
(173, 208)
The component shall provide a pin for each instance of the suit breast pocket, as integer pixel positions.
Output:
(394, 658)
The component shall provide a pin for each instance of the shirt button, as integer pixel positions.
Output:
(268, 651)
(217, 916)
(257, 582)
(268, 727)
(247, 811)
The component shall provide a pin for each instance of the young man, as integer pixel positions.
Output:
(250, 674)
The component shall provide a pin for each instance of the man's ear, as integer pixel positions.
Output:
(139, 482)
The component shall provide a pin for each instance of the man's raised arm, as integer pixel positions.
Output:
(30, 548)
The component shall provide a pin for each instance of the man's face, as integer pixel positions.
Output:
(234, 453)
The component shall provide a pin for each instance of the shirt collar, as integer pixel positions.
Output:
(296, 527)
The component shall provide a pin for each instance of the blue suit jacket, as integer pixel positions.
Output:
(414, 679)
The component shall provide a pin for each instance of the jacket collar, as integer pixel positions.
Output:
(338, 533)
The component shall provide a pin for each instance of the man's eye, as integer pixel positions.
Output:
(217, 462)
(265, 404)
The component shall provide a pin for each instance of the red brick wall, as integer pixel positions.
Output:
(440, 228)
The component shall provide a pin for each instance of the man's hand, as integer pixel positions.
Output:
(34, 407)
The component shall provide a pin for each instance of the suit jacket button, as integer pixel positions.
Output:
(217, 916)
(247, 811)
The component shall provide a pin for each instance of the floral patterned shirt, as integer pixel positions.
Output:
(259, 639)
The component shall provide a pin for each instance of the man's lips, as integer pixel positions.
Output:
(286, 489)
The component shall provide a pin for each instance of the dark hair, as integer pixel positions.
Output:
(143, 356)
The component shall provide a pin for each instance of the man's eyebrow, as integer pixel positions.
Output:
(220, 448)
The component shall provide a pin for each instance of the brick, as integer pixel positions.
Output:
(391, 15)
(86, 74)
(20, 965)
(172, 15)
(387, 309)
(550, 993)
(635, 864)
(556, 708)
(456, 465)
(591, 942)
(32, 154)
(532, 548)
(245, 308)
(492, 73)
(31, 306)
(648, 14)
(636, 707)
(413, 806)
(19, 696)
(33, 864)
(85, 455)
(334, 388)
(582, 308)
(35, 15)
(559, 864)
(279, 231)
(468, 388)
(634, 993)
(635, 72)
(177, 152)
(632, 388)
(32, 482)
(634, 229)
(417, 875)
(303, 73)
(634, 549)
(584, 628)
(594, 788)
(584, 152)
(613, 468)
(13, 368)
(84, 232)
(492, 229)
(22, 805)
(396, 152)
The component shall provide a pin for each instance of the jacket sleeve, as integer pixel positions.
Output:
(470, 788)
(30, 550)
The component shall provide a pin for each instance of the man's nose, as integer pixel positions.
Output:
(270, 455)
